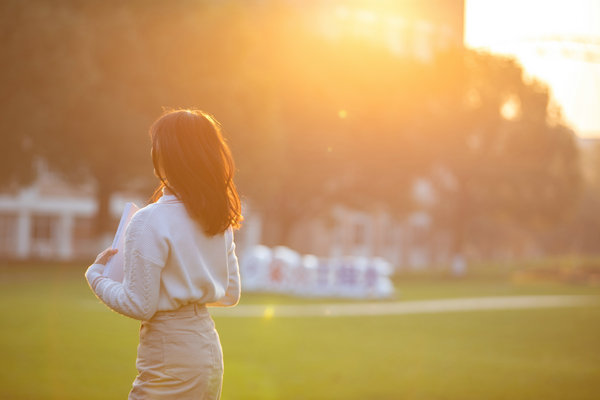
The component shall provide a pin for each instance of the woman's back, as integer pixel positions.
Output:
(195, 266)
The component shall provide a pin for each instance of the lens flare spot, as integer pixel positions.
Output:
(342, 114)
(269, 312)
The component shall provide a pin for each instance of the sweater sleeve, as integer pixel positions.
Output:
(233, 291)
(145, 256)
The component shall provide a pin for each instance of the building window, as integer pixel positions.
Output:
(42, 227)
(43, 235)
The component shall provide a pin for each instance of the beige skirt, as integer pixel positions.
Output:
(179, 356)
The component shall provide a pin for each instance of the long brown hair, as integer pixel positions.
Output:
(198, 168)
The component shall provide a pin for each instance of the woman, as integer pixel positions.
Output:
(179, 258)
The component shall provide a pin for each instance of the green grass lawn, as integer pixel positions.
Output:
(59, 342)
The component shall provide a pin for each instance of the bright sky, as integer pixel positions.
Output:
(557, 41)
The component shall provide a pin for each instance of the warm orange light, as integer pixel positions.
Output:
(269, 312)
(510, 109)
(544, 45)
(342, 114)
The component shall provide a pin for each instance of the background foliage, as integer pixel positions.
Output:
(312, 122)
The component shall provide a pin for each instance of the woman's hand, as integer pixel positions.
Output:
(105, 256)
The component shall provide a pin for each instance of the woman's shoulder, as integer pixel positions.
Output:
(146, 233)
(163, 217)
(152, 215)
(145, 213)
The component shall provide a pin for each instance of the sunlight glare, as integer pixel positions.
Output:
(510, 108)
(269, 312)
(366, 16)
(545, 38)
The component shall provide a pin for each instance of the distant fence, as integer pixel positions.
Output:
(282, 270)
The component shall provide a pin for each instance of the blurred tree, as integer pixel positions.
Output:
(501, 150)
(25, 93)
(312, 121)
(104, 100)
(88, 78)
(580, 234)
(78, 89)
(342, 125)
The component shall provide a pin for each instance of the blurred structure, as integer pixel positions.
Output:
(346, 232)
(53, 220)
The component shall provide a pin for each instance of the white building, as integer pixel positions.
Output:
(408, 242)
(52, 220)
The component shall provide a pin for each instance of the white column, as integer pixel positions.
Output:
(23, 234)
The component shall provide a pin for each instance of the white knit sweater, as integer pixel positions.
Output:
(169, 262)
